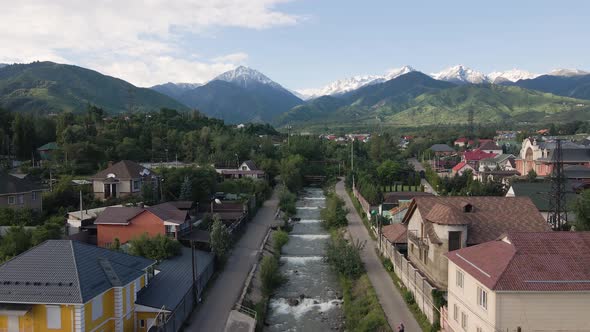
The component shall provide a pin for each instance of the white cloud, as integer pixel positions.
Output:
(137, 40)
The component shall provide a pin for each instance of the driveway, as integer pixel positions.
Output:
(391, 301)
(212, 314)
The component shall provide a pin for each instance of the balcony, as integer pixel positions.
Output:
(420, 242)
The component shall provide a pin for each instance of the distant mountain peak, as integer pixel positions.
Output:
(245, 76)
(568, 72)
(461, 74)
(512, 75)
(345, 85)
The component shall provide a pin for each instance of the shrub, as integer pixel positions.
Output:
(158, 247)
(345, 257)
(220, 239)
(280, 238)
(287, 202)
(334, 214)
(269, 274)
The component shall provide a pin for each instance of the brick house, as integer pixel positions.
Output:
(538, 156)
(126, 223)
(521, 282)
(437, 225)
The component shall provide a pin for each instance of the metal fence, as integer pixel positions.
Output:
(173, 322)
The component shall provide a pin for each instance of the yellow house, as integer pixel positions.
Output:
(522, 282)
(68, 286)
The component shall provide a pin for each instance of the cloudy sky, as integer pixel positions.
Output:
(298, 43)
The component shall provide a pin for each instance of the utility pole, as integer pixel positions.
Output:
(352, 161)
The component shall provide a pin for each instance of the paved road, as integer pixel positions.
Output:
(418, 167)
(390, 298)
(221, 297)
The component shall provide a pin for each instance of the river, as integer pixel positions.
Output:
(310, 281)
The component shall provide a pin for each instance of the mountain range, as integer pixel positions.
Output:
(402, 96)
(47, 87)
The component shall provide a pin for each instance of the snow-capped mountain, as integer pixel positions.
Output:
(461, 75)
(512, 75)
(244, 76)
(352, 83)
(567, 72)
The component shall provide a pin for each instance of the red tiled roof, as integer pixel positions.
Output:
(477, 155)
(547, 261)
(490, 217)
(395, 233)
(461, 140)
(460, 165)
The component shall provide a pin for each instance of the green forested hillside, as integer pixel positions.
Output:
(47, 87)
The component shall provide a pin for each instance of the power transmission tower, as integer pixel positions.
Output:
(557, 216)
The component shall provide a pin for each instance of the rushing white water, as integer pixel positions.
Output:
(301, 260)
(311, 237)
(282, 306)
(308, 207)
(315, 198)
(310, 221)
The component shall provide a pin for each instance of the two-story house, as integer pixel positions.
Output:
(19, 193)
(68, 286)
(247, 169)
(437, 225)
(124, 178)
(522, 282)
(126, 223)
(538, 156)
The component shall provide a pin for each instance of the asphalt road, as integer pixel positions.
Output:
(389, 297)
(212, 314)
(418, 167)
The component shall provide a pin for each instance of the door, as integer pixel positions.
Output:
(13, 324)
(114, 190)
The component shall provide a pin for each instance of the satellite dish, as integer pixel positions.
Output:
(217, 201)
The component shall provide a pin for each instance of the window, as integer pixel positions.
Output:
(53, 316)
(142, 323)
(21, 199)
(34, 195)
(425, 257)
(170, 231)
(482, 298)
(136, 185)
(479, 329)
(459, 279)
(97, 307)
(11, 200)
(455, 312)
(455, 240)
(464, 320)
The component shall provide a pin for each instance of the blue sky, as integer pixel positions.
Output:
(300, 44)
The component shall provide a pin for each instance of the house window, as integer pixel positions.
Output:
(459, 279)
(454, 240)
(97, 307)
(21, 199)
(53, 316)
(11, 200)
(142, 323)
(34, 195)
(482, 298)
(170, 231)
(456, 312)
(136, 185)
(464, 320)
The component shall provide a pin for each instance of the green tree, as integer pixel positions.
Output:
(220, 239)
(531, 176)
(51, 230)
(291, 172)
(388, 171)
(16, 241)
(157, 248)
(334, 214)
(186, 191)
(581, 208)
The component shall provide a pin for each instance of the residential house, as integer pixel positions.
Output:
(461, 142)
(442, 150)
(504, 162)
(538, 156)
(126, 223)
(68, 286)
(247, 169)
(461, 168)
(48, 151)
(437, 225)
(473, 143)
(490, 147)
(170, 293)
(473, 157)
(17, 193)
(539, 193)
(396, 236)
(122, 179)
(398, 199)
(521, 282)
